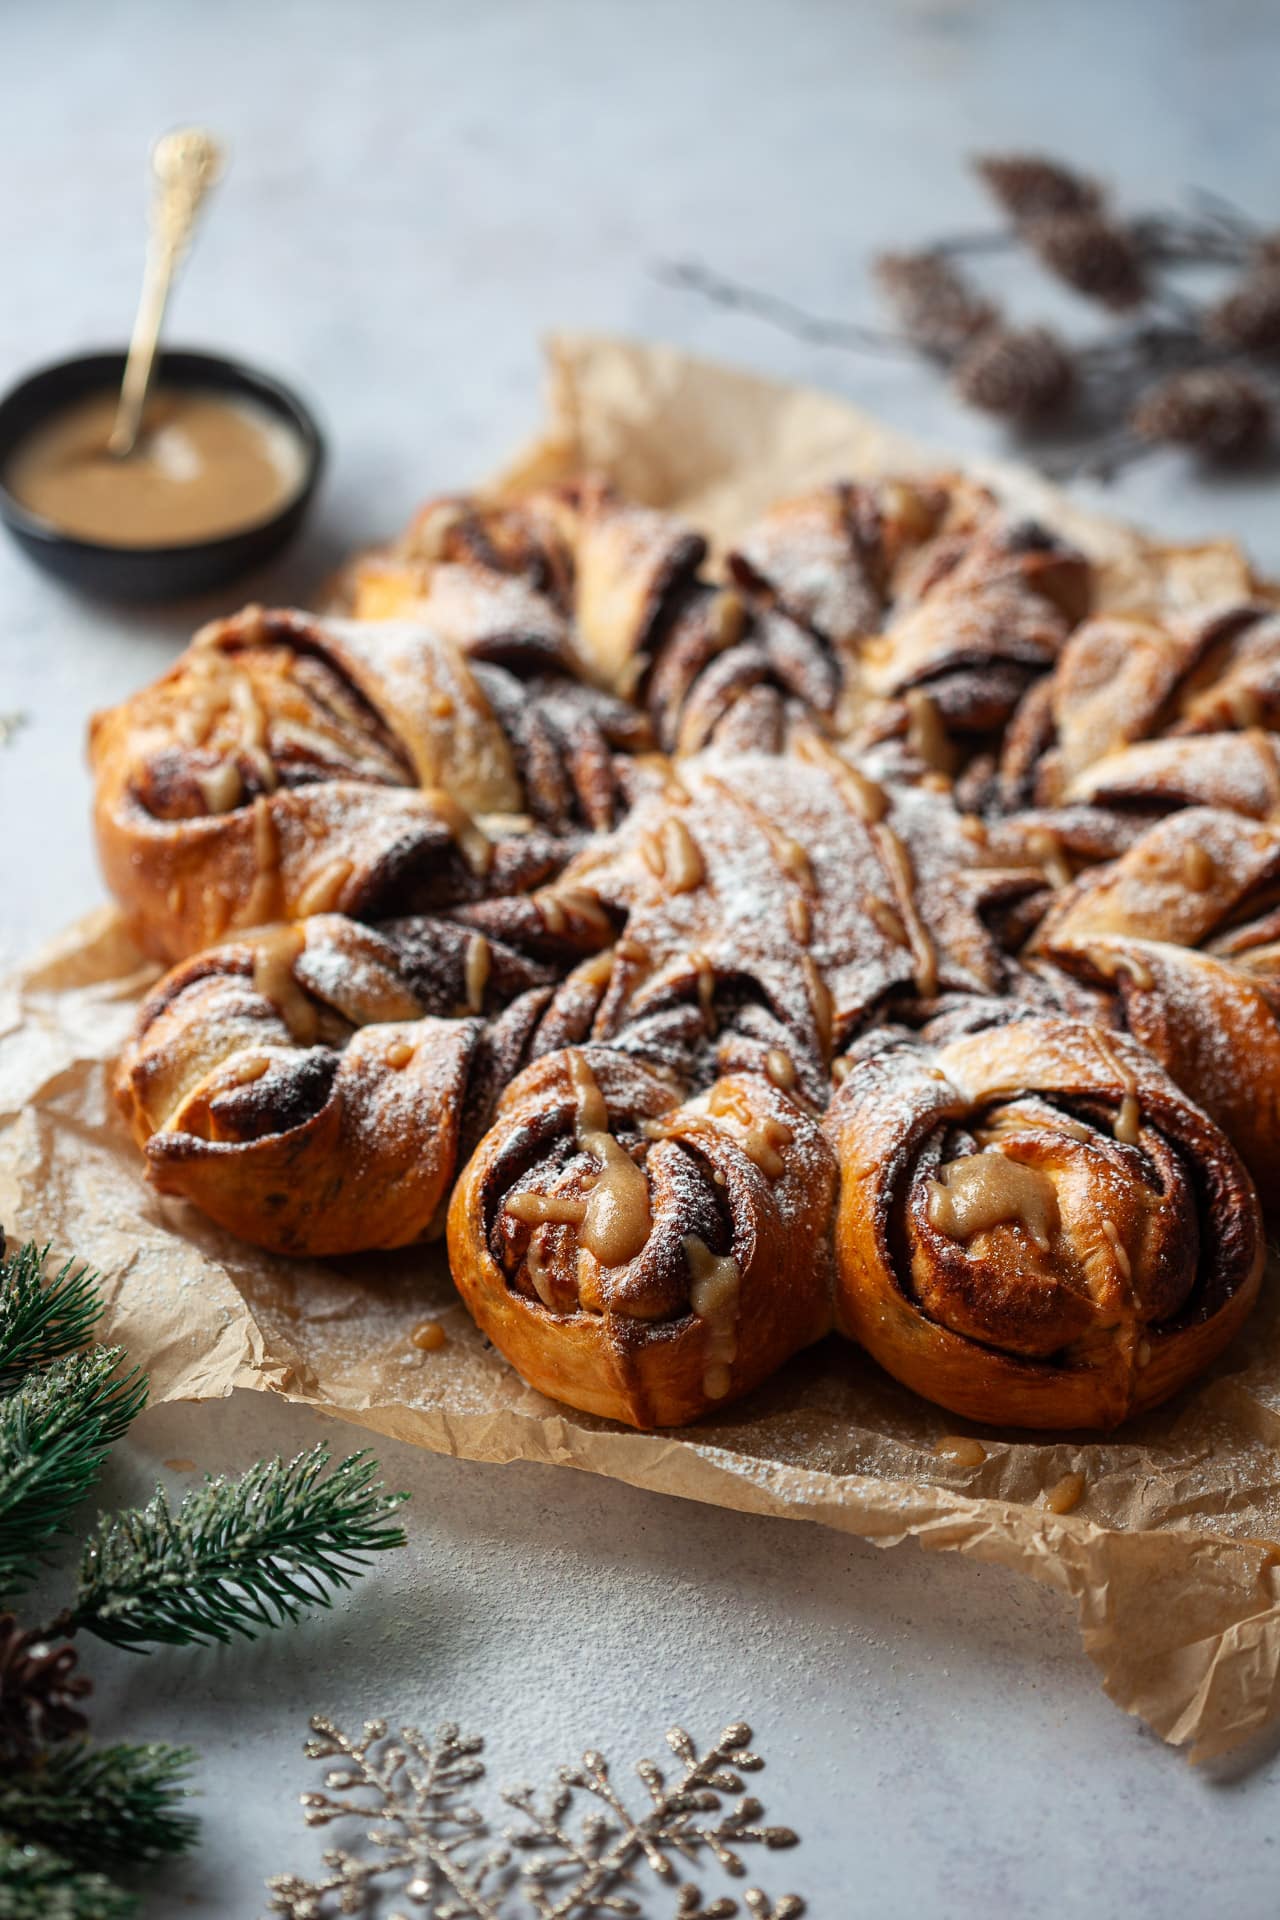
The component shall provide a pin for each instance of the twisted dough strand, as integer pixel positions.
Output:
(741, 948)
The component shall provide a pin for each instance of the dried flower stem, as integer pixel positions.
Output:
(694, 277)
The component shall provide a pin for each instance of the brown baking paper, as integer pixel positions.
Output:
(1170, 1554)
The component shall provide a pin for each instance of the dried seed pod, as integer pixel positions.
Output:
(1248, 318)
(1215, 412)
(1091, 254)
(1021, 374)
(1031, 187)
(936, 306)
(40, 1692)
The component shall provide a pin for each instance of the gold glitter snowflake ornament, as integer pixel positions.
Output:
(429, 1845)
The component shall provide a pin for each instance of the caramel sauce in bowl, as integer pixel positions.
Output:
(226, 467)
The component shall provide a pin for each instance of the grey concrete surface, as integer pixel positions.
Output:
(417, 193)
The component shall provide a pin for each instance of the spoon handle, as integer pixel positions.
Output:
(185, 164)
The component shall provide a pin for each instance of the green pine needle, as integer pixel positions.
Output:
(41, 1320)
(237, 1556)
(56, 1430)
(36, 1884)
(103, 1803)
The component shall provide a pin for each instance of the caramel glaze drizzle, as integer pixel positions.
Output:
(820, 1000)
(887, 919)
(673, 855)
(1198, 868)
(706, 987)
(800, 918)
(1044, 845)
(960, 1448)
(556, 905)
(322, 892)
(243, 1073)
(780, 1068)
(1111, 965)
(1128, 1114)
(613, 1218)
(565, 1209)
(897, 864)
(728, 1112)
(714, 1287)
(926, 735)
(762, 1138)
(223, 787)
(869, 803)
(478, 962)
(982, 1190)
(273, 957)
(614, 1221)
(1065, 1494)
(473, 844)
(794, 862)
(263, 902)
(617, 1220)
(554, 917)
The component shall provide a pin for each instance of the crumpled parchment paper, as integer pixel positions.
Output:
(1173, 1555)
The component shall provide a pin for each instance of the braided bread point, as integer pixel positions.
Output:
(795, 898)
(289, 1086)
(916, 604)
(581, 551)
(287, 766)
(1186, 879)
(642, 1258)
(1036, 1228)
(1121, 685)
(1211, 1023)
(596, 867)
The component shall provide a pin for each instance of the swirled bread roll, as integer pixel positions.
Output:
(1035, 1226)
(917, 602)
(282, 1084)
(641, 1257)
(1143, 711)
(848, 929)
(287, 766)
(1211, 1023)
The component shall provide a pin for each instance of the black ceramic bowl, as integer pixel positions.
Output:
(153, 573)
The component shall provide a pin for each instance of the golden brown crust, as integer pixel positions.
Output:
(737, 1190)
(1125, 1257)
(1185, 880)
(279, 769)
(290, 1109)
(1211, 1023)
(620, 986)
(287, 766)
(1122, 684)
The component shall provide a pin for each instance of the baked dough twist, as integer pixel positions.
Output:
(692, 929)
(1035, 1226)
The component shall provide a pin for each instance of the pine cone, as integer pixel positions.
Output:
(937, 308)
(1248, 318)
(1030, 187)
(1090, 254)
(38, 1691)
(1021, 375)
(1217, 413)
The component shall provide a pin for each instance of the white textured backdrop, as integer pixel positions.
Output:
(416, 193)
